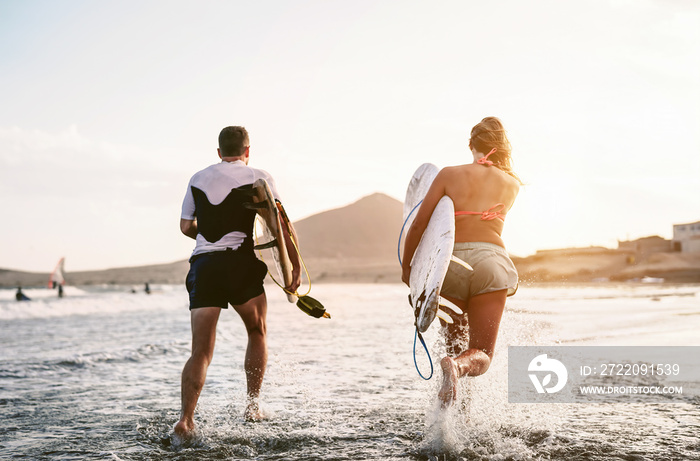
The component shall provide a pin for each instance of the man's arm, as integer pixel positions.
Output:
(293, 255)
(189, 227)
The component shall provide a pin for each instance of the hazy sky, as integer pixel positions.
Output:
(108, 108)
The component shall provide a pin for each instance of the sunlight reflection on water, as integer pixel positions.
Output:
(96, 376)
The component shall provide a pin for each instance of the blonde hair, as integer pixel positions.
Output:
(490, 134)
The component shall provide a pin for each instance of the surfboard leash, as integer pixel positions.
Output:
(398, 250)
(310, 306)
(267, 245)
(417, 335)
(306, 303)
(285, 218)
(415, 362)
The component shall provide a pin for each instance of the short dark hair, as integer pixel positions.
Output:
(233, 140)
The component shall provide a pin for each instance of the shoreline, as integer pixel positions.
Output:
(379, 280)
(561, 267)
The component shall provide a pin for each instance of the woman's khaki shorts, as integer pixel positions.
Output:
(493, 271)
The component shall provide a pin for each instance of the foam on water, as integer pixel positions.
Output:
(96, 376)
(45, 303)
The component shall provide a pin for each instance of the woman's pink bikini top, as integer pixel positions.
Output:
(493, 212)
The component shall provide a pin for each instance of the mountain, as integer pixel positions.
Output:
(356, 242)
(367, 229)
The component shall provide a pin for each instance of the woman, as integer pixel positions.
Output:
(482, 192)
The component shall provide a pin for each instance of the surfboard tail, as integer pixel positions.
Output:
(425, 315)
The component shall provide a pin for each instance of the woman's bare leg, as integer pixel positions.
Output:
(483, 318)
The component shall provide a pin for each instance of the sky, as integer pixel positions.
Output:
(108, 108)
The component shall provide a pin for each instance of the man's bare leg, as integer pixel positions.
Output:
(483, 314)
(254, 313)
(194, 374)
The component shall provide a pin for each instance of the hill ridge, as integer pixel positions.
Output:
(367, 230)
(357, 243)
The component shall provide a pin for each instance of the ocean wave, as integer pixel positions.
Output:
(45, 369)
(97, 301)
(143, 353)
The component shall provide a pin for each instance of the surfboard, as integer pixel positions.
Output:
(273, 233)
(417, 189)
(433, 255)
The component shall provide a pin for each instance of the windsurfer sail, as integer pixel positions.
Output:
(56, 278)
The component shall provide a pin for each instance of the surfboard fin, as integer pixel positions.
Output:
(444, 316)
(444, 303)
(265, 246)
(456, 260)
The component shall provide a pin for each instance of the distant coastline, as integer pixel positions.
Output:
(357, 244)
(572, 265)
(597, 264)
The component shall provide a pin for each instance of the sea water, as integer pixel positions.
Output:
(96, 375)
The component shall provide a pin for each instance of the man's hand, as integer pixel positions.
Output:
(291, 239)
(296, 281)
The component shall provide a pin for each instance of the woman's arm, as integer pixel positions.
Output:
(425, 211)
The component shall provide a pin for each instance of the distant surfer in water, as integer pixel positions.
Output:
(20, 296)
(224, 269)
(483, 192)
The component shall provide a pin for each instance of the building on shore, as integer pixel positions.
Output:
(646, 245)
(686, 237)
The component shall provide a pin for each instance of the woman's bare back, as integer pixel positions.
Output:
(479, 188)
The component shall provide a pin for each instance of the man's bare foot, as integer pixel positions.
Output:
(253, 413)
(448, 391)
(183, 432)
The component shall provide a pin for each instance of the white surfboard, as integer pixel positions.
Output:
(417, 189)
(434, 252)
(273, 236)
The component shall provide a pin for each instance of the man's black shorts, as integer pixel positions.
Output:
(225, 277)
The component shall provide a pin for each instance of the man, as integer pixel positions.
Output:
(224, 269)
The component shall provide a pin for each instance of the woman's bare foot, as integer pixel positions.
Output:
(253, 413)
(448, 391)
